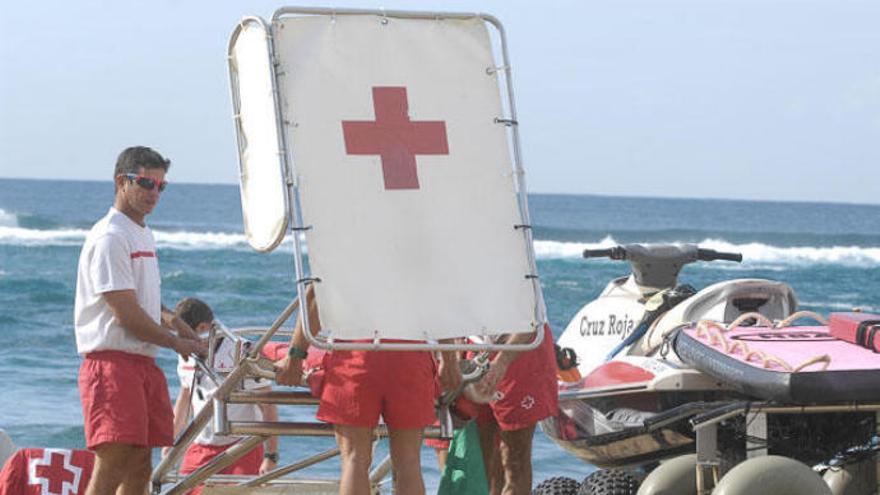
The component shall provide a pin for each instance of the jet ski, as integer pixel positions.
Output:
(625, 395)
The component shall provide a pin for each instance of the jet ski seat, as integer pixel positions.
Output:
(723, 302)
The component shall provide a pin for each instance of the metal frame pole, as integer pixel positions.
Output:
(215, 465)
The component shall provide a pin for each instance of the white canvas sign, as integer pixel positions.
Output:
(404, 176)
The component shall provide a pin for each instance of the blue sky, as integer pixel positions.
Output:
(732, 99)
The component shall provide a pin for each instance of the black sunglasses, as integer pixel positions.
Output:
(146, 182)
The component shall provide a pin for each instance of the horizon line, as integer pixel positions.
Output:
(543, 193)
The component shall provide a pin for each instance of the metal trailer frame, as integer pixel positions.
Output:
(706, 428)
(292, 198)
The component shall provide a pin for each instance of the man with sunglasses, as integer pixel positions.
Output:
(120, 324)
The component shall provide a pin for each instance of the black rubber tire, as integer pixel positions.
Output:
(559, 485)
(609, 482)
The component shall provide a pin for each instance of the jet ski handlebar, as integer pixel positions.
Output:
(712, 255)
(620, 253)
(658, 265)
(615, 253)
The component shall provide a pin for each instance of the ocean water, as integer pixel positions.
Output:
(830, 254)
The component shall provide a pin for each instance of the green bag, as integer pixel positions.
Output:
(464, 473)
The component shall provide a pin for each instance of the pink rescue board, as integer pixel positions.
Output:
(799, 364)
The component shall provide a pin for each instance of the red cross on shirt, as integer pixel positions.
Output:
(395, 138)
(56, 473)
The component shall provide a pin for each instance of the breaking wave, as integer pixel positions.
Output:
(753, 253)
(11, 235)
(8, 219)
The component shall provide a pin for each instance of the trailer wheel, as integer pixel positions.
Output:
(609, 482)
(559, 485)
(771, 475)
(676, 476)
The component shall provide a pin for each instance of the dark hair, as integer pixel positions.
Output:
(132, 159)
(194, 311)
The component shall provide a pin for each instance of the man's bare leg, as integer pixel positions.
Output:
(111, 467)
(356, 453)
(442, 455)
(491, 458)
(406, 449)
(516, 461)
(140, 467)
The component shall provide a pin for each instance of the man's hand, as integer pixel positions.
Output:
(131, 316)
(483, 390)
(288, 371)
(188, 347)
(266, 466)
(182, 328)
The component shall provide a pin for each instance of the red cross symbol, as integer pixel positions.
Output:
(56, 473)
(395, 138)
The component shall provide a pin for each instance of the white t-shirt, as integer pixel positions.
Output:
(118, 254)
(224, 360)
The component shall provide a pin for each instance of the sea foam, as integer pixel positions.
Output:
(168, 240)
(8, 219)
(754, 253)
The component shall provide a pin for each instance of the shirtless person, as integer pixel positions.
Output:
(120, 324)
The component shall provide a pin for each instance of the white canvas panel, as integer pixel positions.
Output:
(442, 258)
(263, 189)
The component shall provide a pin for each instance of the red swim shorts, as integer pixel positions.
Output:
(527, 393)
(358, 386)
(125, 400)
(198, 455)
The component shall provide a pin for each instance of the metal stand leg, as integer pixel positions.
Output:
(877, 457)
(380, 472)
(215, 465)
(756, 435)
(708, 459)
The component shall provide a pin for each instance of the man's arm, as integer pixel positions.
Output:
(134, 319)
(288, 371)
(181, 413)
(170, 320)
(182, 409)
(448, 369)
(506, 358)
(483, 390)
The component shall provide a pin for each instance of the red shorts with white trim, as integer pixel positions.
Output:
(125, 400)
(198, 455)
(527, 393)
(359, 386)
